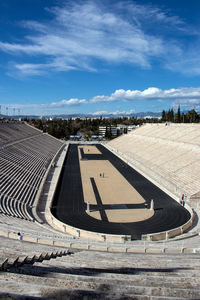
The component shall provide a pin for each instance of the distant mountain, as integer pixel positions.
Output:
(19, 117)
(67, 116)
(139, 114)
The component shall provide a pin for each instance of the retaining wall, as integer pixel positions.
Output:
(104, 247)
(165, 235)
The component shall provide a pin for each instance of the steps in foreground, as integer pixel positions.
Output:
(93, 275)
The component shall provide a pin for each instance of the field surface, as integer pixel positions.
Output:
(117, 196)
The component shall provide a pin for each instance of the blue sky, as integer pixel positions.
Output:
(99, 56)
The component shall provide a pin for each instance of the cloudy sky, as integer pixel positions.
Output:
(99, 56)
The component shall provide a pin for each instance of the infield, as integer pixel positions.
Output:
(113, 189)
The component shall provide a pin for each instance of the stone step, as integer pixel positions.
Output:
(39, 286)
(128, 272)
(74, 262)
(131, 263)
(78, 294)
(170, 265)
(138, 258)
(115, 278)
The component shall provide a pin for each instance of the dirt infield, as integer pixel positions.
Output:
(124, 215)
(113, 190)
(89, 149)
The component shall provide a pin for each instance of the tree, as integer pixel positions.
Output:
(164, 117)
(178, 115)
(108, 133)
(192, 116)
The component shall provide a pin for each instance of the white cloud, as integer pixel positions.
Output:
(187, 104)
(186, 62)
(185, 97)
(117, 112)
(151, 93)
(81, 32)
(150, 15)
(52, 105)
(100, 113)
(29, 69)
(70, 102)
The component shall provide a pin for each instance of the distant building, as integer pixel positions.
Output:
(113, 130)
(110, 130)
(116, 130)
(149, 117)
(132, 127)
(102, 130)
(121, 129)
(96, 137)
(75, 137)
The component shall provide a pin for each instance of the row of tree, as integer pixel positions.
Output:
(180, 117)
(87, 127)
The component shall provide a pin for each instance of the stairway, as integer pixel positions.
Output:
(94, 275)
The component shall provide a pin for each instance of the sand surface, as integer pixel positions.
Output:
(113, 189)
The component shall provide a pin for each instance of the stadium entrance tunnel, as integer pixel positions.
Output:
(99, 193)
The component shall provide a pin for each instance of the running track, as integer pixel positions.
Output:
(69, 207)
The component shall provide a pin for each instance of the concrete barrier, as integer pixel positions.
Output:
(188, 250)
(79, 246)
(13, 235)
(136, 250)
(85, 234)
(45, 242)
(98, 248)
(154, 251)
(102, 246)
(62, 244)
(173, 250)
(116, 249)
(29, 239)
(3, 233)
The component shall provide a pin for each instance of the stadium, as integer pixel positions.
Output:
(107, 220)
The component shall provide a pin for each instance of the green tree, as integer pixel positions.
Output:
(178, 115)
(164, 117)
(192, 116)
(108, 133)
